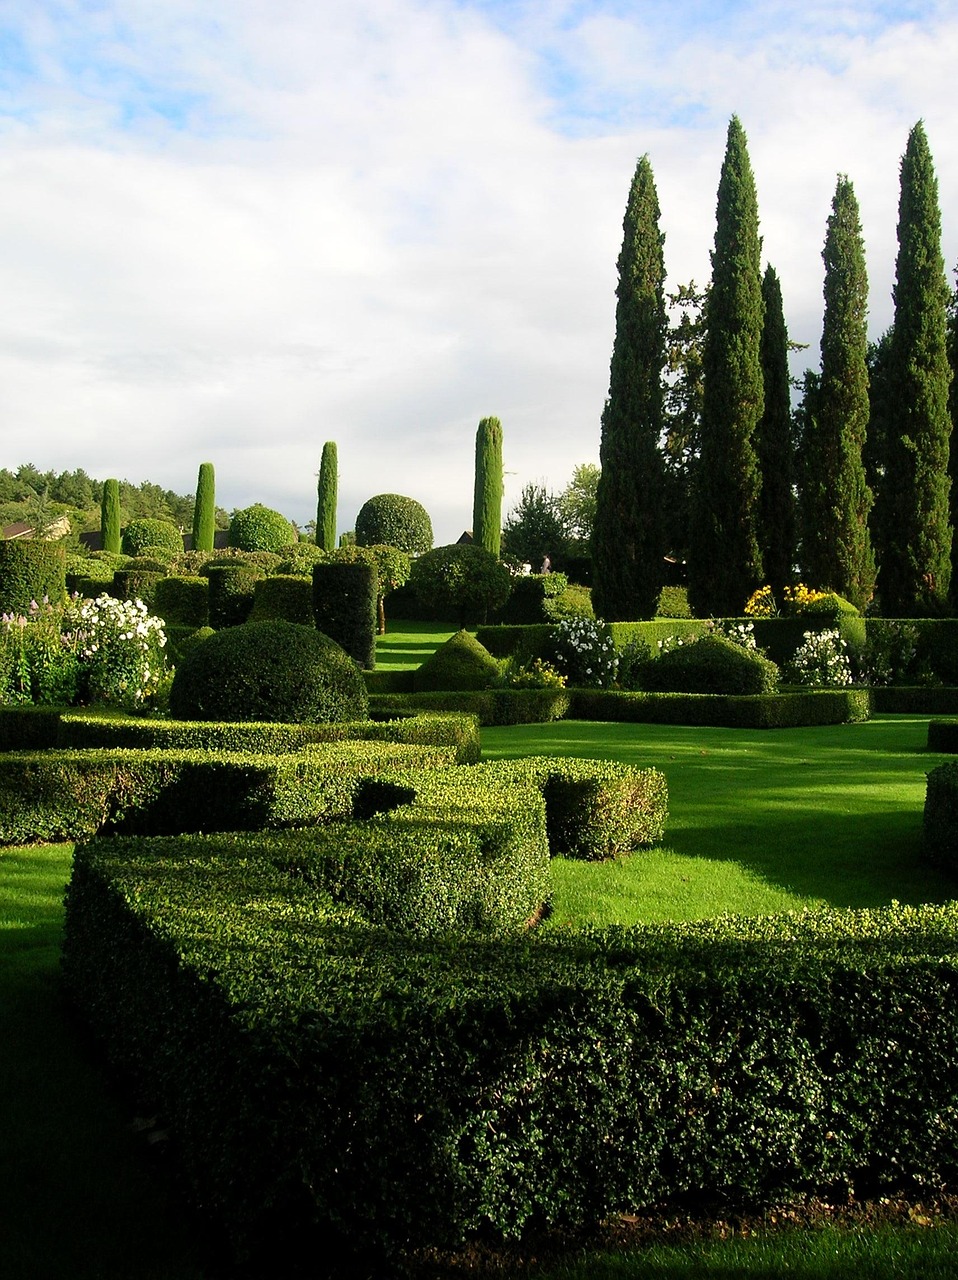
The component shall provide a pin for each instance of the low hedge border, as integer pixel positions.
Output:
(755, 711)
(66, 795)
(492, 706)
(323, 1073)
(925, 700)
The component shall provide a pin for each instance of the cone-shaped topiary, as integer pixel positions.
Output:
(270, 671)
(461, 663)
(110, 518)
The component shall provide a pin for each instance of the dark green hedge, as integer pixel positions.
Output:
(80, 729)
(64, 795)
(327, 1075)
(137, 584)
(492, 706)
(763, 711)
(380, 681)
(183, 601)
(29, 570)
(231, 592)
(460, 663)
(287, 596)
(940, 823)
(943, 735)
(925, 700)
(344, 607)
(27, 728)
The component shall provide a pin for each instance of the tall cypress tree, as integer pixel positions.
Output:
(326, 498)
(628, 541)
(110, 518)
(773, 444)
(487, 497)
(725, 561)
(837, 551)
(915, 570)
(204, 509)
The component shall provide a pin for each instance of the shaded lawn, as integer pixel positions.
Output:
(758, 821)
(408, 644)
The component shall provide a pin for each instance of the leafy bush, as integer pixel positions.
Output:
(285, 595)
(31, 571)
(461, 663)
(711, 664)
(573, 602)
(584, 652)
(183, 601)
(526, 603)
(464, 582)
(344, 606)
(38, 664)
(137, 584)
(822, 660)
(300, 558)
(674, 603)
(231, 592)
(633, 660)
(119, 644)
(268, 671)
(258, 528)
(536, 674)
(940, 819)
(390, 519)
(146, 532)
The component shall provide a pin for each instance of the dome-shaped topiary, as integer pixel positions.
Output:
(146, 532)
(711, 664)
(273, 671)
(461, 663)
(390, 519)
(258, 528)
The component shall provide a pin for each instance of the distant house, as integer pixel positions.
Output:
(59, 529)
(465, 537)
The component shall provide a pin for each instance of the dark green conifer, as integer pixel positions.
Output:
(204, 509)
(110, 517)
(487, 497)
(725, 561)
(773, 444)
(915, 569)
(326, 498)
(628, 542)
(837, 551)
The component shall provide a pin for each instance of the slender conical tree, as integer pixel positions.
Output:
(110, 517)
(915, 567)
(953, 449)
(326, 497)
(773, 444)
(204, 509)
(837, 550)
(628, 540)
(725, 561)
(487, 497)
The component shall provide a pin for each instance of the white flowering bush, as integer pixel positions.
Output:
(120, 648)
(584, 652)
(740, 633)
(822, 659)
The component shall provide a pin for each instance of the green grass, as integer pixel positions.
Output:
(407, 645)
(759, 822)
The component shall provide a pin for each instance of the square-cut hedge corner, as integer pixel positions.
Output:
(448, 729)
(943, 736)
(940, 821)
(330, 1078)
(64, 795)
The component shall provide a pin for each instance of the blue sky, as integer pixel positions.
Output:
(234, 229)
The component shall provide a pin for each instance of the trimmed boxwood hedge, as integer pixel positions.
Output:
(925, 700)
(183, 601)
(29, 570)
(325, 1074)
(287, 596)
(492, 706)
(943, 735)
(940, 822)
(760, 711)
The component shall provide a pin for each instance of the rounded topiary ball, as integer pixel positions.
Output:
(392, 520)
(273, 671)
(258, 528)
(155, 534)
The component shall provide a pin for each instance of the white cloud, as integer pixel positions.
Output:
(233, 231)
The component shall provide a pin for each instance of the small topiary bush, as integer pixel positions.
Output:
(231, 593)
(461, 663)
(258, 528)
(393, 520)
(344, 606)
(143, 533)
(286, 595)
(711, 664)
(183, 601)
(300, 559)
(268, 671)
(462, 582)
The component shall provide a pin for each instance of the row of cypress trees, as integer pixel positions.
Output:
(742, 528)
(204, 512)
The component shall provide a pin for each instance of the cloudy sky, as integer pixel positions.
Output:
(231, 230)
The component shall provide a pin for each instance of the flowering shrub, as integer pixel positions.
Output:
(822, 659)
(761, 603)
(891, 655)
(37, 662)
(740, 633)
(532, 675)
(585, 652)
(120, 650)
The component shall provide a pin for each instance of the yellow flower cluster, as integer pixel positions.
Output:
(761, 603)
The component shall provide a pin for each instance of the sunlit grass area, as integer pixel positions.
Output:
(409, 644)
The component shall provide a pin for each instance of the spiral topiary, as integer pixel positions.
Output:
(268, 671)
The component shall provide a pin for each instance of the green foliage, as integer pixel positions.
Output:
(681, 442)
(584, 651)
(389, 519)
(528, 597)
(711, 664)
(576, 505)
(143, 533)
(137, 584)
(673, 603)
(31, 572)
(344, 606)
(572, 602)
(268, 671)
(300, 558)
(490, 706)
(462, 582)
(258, 528)
(773, 442)
(725, 562)
(110, 517)
(628, 540)
(461, 663)
(287, 596)
(940, 819)
(533, 528)
(392, 568)
(204, 509)
(487, 497)
(183, 601)
(327, 493)
(232, 589)
(836, 550)
(915, 562)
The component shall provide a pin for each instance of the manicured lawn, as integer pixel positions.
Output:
(408, 644)
(760, 822)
